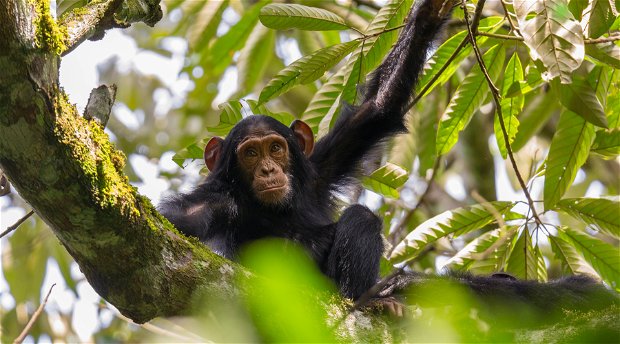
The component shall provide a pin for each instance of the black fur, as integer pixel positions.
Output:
(503, 298)
(348, 250)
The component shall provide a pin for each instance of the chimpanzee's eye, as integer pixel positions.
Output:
(276, 147)
(251, 152)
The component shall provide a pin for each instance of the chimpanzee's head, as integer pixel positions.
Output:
(264, 153)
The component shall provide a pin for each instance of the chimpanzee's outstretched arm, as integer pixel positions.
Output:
(380, 116)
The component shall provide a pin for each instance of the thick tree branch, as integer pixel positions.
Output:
(87, 22)
(92, 20)
(66, 168)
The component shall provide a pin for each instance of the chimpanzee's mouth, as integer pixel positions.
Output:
(272, 188)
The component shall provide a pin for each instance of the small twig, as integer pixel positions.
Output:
(34, 318)
(9, 229)
(517, 38)
(407, 217)
(601, 39)
(498, 108)
(455, 53)
(471, 28)
(382, 32)
(512, 25)
(475, 20)
(488, 207)
(500, 36)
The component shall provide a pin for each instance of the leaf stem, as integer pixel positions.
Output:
(498, 107)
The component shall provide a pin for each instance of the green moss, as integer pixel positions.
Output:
(49, 36)
(76, 12)
(100, 162)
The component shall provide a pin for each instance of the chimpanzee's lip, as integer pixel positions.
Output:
(271, 188)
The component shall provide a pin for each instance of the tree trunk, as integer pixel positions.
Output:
(70, 173)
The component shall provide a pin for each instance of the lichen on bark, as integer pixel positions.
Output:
(48, 36)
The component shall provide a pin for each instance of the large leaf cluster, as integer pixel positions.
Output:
(559, 97)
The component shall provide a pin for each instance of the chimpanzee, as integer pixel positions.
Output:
(269, 180)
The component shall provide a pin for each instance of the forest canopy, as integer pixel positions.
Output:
(510, 163)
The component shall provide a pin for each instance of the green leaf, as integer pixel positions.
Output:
(552, 34)
(603, 257)
(580, 98)
(534, 117)
(221, 52)
(613, 98)
(231, 114)
(600, 79)
(598, 18)
(599, 212)
(371, 52)
(306, 69)
(522, 262)
(486, 254)
(444, 52)
(213, 18)
(569, 150)
(324, 100)
(191, 152)
(64, 6)
(576, 7)
(254, 58)
(259, 109)
(64, 260)
(292, 16)
(282, 296)
(330, 118)
(512, 106)
(608, 53)
(24, 262)
(426, 135)
(607, 143)
(460, 220)
(572, 262)
(541, 267)
(403, 149)
(468, 98)
(386, 180)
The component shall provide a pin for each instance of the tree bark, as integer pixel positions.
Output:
(70, 173)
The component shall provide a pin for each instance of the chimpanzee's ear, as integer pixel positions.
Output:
(212, 152)
(304, 136)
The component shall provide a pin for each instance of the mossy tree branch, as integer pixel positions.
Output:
(66, 168)
(92, 20)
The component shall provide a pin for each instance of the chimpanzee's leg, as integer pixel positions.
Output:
(354, 259)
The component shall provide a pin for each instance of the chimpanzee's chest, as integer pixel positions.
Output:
(313, 237)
